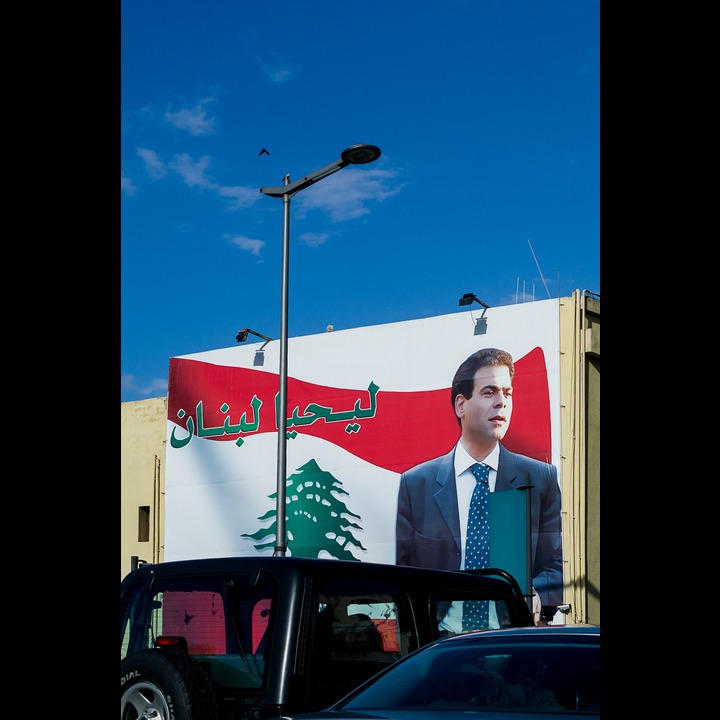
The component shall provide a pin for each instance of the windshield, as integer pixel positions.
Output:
(527, 676)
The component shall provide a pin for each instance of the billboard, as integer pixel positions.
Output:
(363, 406)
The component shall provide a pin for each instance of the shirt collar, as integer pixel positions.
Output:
(464, 461)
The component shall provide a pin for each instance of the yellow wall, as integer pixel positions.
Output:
(580, 454)
(143, 426)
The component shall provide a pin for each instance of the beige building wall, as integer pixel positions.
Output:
(143, 427)
(580, 454)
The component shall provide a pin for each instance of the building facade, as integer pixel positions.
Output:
(143, 427)
(144, 432)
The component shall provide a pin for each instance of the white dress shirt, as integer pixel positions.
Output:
(465, 484)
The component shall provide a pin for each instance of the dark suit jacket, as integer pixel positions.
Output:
(428, 523)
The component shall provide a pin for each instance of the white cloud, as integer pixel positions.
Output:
(194, 120)
(244, 197)
(344, 196)
(248, 244)
(126, 185)
(155, 167)
(277, 75)
(157, 387)
(314, 239)
(193, 171)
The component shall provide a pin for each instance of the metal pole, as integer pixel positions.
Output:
(354, 155)
(280, 536)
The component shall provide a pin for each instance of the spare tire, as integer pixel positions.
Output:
(165, 685)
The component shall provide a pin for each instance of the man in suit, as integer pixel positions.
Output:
(434, 496)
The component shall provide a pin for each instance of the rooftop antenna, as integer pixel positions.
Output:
(539, 270)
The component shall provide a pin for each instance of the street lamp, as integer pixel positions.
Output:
(481, 322)
(242, 335)
(354, 155)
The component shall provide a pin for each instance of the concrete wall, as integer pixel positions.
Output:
(143, 426)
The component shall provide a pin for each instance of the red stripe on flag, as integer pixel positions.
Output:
(405, 428)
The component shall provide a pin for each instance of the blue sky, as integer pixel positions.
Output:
(487, 113)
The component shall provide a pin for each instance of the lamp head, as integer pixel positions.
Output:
(360, 154)
(470, 298)
(243, 333)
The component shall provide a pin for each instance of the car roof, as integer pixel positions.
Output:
(530, 632)
(493, 578)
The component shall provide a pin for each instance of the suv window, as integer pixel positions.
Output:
(361, 626)
(225, 624)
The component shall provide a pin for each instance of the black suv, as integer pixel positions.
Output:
(249, 638)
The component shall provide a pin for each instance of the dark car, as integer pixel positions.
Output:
(551, 671)
(248, 638)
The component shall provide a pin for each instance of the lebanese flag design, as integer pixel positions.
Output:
(405, 428)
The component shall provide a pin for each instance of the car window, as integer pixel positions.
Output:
(224, 624)
(361, 626)
(524, 676)
(449, 610)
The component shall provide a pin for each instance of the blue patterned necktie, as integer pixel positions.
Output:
(477, 546)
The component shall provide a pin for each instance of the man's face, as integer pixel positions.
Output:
(486, 415)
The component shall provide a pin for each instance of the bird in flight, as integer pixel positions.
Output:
(263, 151)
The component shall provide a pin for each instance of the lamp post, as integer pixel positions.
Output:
(354, 155)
